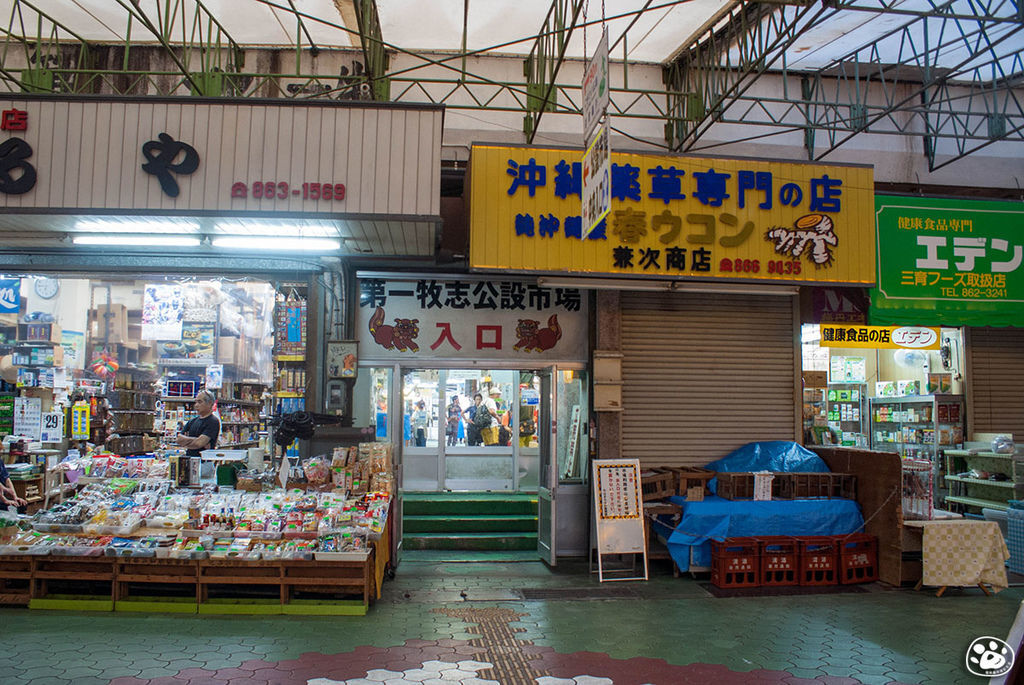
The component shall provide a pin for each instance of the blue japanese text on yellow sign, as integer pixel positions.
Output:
(673, 217)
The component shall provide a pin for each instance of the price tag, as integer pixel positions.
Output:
(53, 427)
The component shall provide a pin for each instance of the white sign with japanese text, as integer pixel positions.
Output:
(597, 180)
(470, 318)
(596, 87)
(27, 416)
(618, 510)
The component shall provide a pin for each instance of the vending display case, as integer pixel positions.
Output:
(917, 426)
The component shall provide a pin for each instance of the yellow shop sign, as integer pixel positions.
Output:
(673, 217)
(880, 337)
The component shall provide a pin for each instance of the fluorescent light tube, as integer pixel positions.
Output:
(279, 230)
(139, 240)
(267, 243)
(105, 226)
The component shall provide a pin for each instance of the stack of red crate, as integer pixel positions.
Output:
(779, 560)
(736, 562)
(858, 558)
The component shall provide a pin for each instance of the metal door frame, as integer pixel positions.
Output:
(547, 486)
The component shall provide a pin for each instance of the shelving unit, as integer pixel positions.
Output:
(241, 417)
(918, 426)
(133, 413)
(290, 370)
(815, 413)
(845, 408)
(968, 493)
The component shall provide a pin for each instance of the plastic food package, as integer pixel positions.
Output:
(1003, 444)
(317, 470)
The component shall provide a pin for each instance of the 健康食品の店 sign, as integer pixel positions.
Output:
(673, 217)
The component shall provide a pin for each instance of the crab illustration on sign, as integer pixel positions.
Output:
(811, 235)
(533, 337)
(401, 336)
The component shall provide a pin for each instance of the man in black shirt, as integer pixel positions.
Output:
(201, 433)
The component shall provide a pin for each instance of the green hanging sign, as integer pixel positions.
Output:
(948, 262)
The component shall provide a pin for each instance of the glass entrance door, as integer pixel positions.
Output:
(445, 448)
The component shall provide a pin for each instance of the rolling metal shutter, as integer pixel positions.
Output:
(703, 374)
(995, 381)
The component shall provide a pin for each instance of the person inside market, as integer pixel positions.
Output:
(472, 432)
(490, 405)
(8, 496)
(419, 424)
(201, 433)
(452, 426)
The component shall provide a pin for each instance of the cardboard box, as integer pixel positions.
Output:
(815, 379)
(39, 332)
(109, 324)
(147, 354)
(227, 350)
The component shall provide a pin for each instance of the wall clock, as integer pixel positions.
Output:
(47, 288)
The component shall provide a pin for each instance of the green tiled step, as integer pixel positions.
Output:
(470, 524)
(470, 541)
(457, 504)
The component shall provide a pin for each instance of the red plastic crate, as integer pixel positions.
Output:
(736, 562)
(858, 558)
(780, 560)
(819, 560)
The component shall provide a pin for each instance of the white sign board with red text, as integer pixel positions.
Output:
(469, 318)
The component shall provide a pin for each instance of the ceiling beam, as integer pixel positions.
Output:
(545, 60)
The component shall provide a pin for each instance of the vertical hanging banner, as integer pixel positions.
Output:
(596, 96)
(596, 178)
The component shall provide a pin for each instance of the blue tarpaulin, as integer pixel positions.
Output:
(716, 519)
(775, 455)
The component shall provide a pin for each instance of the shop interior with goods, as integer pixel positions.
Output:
(99, 375)
(910, 402)
(906, 401)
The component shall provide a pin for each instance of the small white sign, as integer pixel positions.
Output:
(52, 427)
(595, 86)
(597, 179)
(27, 415)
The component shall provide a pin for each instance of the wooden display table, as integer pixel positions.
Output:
(344, 585)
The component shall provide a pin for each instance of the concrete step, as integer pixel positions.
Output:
(459, 504)
(470, 524)
(470, 541)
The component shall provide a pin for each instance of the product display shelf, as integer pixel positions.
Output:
(344, 585)
(971, 493)
(846, 412)
(918, 426)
